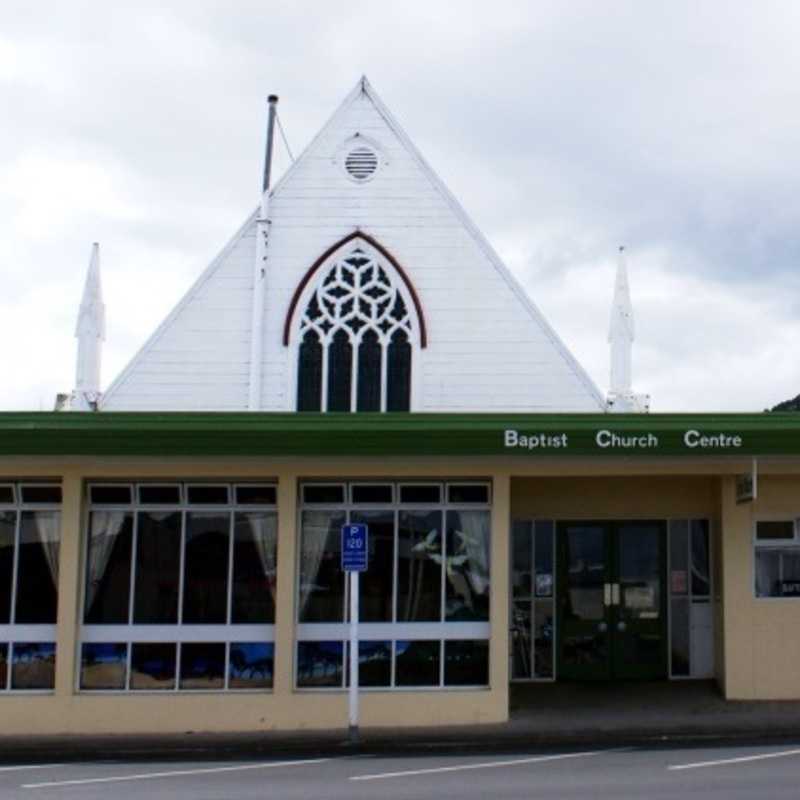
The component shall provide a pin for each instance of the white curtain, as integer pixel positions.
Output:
(105, 526)
(48, 524)
(314, 536)
(264, 528)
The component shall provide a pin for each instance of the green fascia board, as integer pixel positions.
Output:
(410, 434)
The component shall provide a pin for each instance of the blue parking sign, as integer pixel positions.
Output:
(354, 548)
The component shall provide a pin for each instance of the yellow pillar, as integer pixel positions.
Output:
(737, 594)
(501, 536)
(69, 584)
(285, 592)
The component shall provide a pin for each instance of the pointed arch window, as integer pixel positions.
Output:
(355, 338)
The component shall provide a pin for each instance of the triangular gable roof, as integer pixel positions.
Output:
(363, 87)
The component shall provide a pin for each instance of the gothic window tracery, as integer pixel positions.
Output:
(355, 340)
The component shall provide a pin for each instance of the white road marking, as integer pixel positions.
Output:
(739, 760)
(178, 773)
(29, 766)
(484, 765)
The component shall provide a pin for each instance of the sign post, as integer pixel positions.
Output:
(354, 562)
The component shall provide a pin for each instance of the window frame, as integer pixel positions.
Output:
(178, 633)
(393, 631)
(773, 545)
(14, 633)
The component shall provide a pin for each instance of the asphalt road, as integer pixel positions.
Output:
(724, 770)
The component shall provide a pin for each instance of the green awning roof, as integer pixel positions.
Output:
(295, 434)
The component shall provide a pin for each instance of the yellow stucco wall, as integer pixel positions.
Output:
(761, 636)
(68, 711)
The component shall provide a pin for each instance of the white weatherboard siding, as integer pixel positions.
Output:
(488, 349)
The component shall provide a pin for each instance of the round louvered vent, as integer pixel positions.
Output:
(361, 162)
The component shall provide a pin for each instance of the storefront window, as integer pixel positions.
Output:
(777, 559)
(425, 595)
(180, 587)
(30, 521)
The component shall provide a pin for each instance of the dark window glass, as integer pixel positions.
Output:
(466, 663)
(256, 495)
(41, 494)
(309, 374)
(255, 536)
(251, 665)
(110, 495)
(158, 555)
(374, 664)
(160, 495)
(417, 663)
(8, 525)
(369, 373)
(679, 636)
(419, 567)
(467, 566)
(701, 584)
(208, 495)
(319, 664)
(468, 493)
(420, 494)
(376, 584)
(37, 572)
(544, 559)
(543, 640)
(321, 586)
(775, 529)
(205, 572)
(521, 664)
(34, 666)
(679, 557)
(372, 494)
(202, 666)
(3, 665)
(6, 494)
(398, 373)
(521, 561)
(103, 666)
(340, 372)
(108, 567)
(152, 666)
(324, 494)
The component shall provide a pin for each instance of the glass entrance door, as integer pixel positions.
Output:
(611, 599)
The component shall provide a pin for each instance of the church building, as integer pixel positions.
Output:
(358, 354)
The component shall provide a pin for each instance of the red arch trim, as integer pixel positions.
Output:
(287, 325)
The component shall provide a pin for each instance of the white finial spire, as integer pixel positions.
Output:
(90, 332)
(620, 337)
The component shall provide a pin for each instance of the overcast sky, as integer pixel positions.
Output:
(565, 129)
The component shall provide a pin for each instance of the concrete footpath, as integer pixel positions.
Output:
(542, 715)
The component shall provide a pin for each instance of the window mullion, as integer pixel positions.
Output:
(356, 345)
(384, 375)
(324, 382)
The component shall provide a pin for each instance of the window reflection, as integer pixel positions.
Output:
(467, 565)
(202, 665)
(157, 566)
(466, 663)
(103, 666)
(108, 567)
(8, 524)
(3, 665)
(205, 571)
(34, 666)
(255, 537)
(37, 570)
(376, 584)
(320, 664)
(153, 666)
(419, 566)
(251, 665)
(417, 663)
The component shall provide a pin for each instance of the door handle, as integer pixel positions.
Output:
(607, 594)
(615, 594)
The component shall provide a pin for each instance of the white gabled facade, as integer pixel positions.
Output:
(488, 347)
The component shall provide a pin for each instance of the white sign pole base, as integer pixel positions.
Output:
(353, 692)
